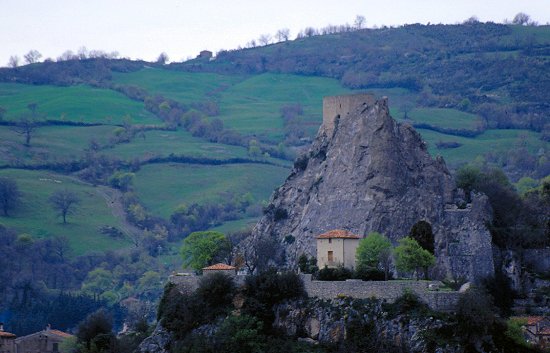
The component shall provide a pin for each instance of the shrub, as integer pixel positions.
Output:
(339, 273)
(216, 290)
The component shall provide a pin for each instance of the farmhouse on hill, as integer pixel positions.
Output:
(44, 341)
(220, 268)
(337, 248)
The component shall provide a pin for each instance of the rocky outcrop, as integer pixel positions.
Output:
(365, 172)
(157, 342)
(334, 321)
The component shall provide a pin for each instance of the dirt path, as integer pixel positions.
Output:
(113, 198)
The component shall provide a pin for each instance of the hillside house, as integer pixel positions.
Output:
(337, 248)
(45, 341)
(537, 331)
(205, 54)
(220, 268)
(7, 341)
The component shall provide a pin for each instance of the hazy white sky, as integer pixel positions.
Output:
(181, 28)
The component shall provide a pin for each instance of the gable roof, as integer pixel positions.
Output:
(338, 233)
(532, 320)
(5, 334)
(219, 266)
(47, 332)
(59, 333)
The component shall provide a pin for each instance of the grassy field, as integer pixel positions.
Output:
(162, 143)
(445, 118)
(253, 106)
(185, 87)
(73, 103)
(49, 143)
(163, 187)
(36, 217)
(497, 141)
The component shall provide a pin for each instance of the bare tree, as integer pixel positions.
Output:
(25, 126)
(282, 35)
(163, 58)
(67, 55)
(14, 61)
(264, 39)
(32, 56)
(82, 53)
(521, 19)
(64, 202)
(27, 123)
(359, 22)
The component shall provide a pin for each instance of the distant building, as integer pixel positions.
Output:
(205, 54)
(7, 341)
(46, 341)
(337, 248)
(537, 331)
(220, 268)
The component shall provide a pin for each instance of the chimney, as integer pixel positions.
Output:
(48, 327)
(1, 326)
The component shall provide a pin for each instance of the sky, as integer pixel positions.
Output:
(181, 28)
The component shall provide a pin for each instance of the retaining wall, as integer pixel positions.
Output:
(386, 290)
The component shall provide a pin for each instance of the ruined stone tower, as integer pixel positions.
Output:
(365, 172)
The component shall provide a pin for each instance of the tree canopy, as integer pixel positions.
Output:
(410, 256)
(374, 252)
(201, 249)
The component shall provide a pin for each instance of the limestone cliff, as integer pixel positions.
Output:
(365, 172)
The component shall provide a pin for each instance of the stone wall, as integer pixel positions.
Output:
(386, 290)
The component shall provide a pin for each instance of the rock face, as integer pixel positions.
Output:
(332, 322)
(365, 172)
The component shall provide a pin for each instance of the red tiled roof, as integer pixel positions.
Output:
(338, 233)
(545, 331)
(533, 320)
(7, 334)
(219, 267)
(60, 333)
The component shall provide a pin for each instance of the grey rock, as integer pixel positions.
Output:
(365, 172)
(158, 342)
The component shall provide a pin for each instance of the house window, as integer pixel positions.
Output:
(330, 256)
(56, 347)
(330, 240)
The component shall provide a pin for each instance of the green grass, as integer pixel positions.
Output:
(163, 187)
(496, 141)
(184, 87)
(445, 118)
(233, 226)
(36, 217)
(49, 144)
(73, 103)
(162, 143)
(253, 106)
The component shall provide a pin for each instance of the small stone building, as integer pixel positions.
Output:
(7, 341)
(220, 268)
(205, 54)
(537, 331)
(337, 248)
(46, 341)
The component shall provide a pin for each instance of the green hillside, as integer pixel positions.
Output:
(36, 217)
(163, 187)
(471, 90)
(74, 103)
